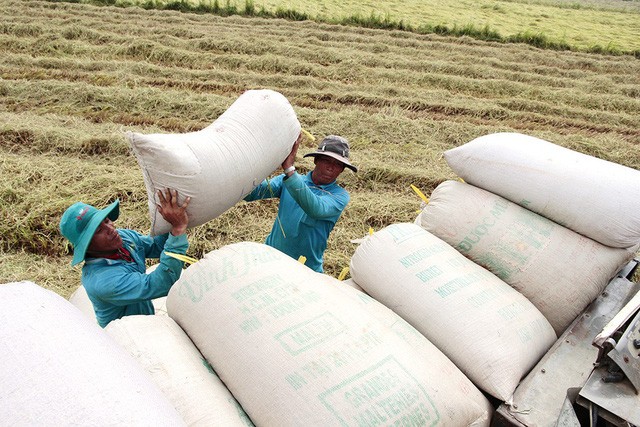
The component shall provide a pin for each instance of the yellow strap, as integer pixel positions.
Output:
(302, 259)
(343, 273)
(370, 231)
(419, 193)
(183, 258)
(308, 135)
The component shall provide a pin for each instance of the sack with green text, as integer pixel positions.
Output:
(296, 347)
(558, 270)
(591, 196)
(489, 330)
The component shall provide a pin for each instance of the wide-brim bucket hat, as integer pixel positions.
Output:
(336, 147)
(80, 222)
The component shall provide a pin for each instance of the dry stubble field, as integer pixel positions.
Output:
(74, 77)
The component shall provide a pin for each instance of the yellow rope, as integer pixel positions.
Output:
(183, 258)
(419, 193)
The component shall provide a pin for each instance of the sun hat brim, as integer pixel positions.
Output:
(336, 156)
(80, 249)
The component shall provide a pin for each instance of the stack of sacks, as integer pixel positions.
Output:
(59, 368)
(222, 163)
(558, 270)
(591, 196)
(489, 330)
(176, 366)
(296, 349)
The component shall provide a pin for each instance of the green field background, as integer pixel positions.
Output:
(75, 77)
(579, 24)
(612, 25)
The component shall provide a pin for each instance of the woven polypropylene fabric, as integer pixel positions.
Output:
(60, 368)
(591, 196)
(220, 164)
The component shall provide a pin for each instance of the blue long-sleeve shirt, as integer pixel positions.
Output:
(306, 215)
(119, 288)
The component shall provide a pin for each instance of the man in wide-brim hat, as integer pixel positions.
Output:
(310, 204)
(114, 270)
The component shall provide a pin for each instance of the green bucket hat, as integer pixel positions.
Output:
(80, 222)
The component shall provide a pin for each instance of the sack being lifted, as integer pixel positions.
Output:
(591, 196)
(220, 164)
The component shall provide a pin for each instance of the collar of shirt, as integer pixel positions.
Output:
(122, 254)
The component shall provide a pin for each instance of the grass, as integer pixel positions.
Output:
(611, 27)
(75, 77)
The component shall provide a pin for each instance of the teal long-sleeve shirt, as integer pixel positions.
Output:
(306, 215)
(119, 288)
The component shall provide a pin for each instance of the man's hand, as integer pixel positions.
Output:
(291, 158)
(172, 212)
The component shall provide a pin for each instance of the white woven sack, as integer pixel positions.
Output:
(295, 351)
(159, 304)
(220, 164)
(591, 196)
(558, 270)
(352, 283)
(173, 362)
(59, 368)
(80, 299)
(490, 331)
(417, 341)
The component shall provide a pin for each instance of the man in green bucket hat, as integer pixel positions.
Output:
(114, 270)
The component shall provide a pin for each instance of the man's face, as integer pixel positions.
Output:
(105, 239)
(327, 170)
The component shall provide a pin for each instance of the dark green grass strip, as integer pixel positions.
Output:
(375, 21)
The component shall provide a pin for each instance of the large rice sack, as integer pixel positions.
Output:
(80, 300)
(409, 334)
(160, 306)
(594, 197)
(352, 283)
(220, 164)
(558, 270)
(489, 330)
(59, 368)
(295, 351)
(176, 366)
